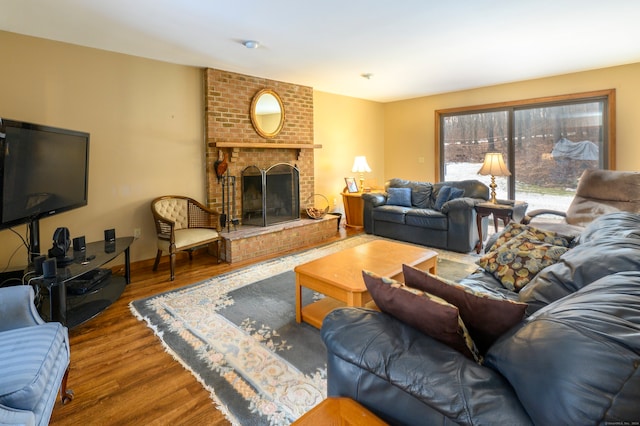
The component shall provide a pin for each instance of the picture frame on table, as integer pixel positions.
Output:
(352, 186)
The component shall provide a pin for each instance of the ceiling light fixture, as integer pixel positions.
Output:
(366, 75)
(251, 44)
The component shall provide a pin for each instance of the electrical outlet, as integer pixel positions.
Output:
(136, 233)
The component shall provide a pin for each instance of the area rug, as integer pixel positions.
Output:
(237, 334)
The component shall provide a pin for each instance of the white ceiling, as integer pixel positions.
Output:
(412, 47)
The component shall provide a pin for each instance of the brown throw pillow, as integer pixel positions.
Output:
(486, 316)
(423, 311)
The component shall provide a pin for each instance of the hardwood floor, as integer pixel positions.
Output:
(120, 372)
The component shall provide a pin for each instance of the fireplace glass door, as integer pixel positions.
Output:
(270, 196)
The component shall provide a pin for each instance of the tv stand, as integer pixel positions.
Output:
(75, 309)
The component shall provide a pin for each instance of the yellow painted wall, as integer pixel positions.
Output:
(346, 127)
(146, 123)
(409, 124)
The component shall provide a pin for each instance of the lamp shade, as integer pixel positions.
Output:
(494, 165)
(360, 165)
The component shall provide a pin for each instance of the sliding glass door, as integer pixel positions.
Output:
(546, 145)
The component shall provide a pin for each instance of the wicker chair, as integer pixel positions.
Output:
(183, 224)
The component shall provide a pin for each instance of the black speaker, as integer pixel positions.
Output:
(109, 235)
(49, 268)
(37, 265)
(79, 244)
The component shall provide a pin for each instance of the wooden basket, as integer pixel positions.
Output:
(317, 206)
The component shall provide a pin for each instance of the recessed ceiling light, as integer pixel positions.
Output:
(251, 44)
(366, 75)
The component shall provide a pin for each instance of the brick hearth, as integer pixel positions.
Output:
(249, 242)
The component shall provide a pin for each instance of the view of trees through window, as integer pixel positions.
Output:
(545, 146)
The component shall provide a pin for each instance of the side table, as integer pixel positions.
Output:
(353, 209)
(507, 210)
(339, 411)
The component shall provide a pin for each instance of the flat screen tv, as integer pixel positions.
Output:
(43, 172)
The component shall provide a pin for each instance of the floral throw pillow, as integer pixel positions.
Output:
(513, 229)
(518, 260)
(423, 311)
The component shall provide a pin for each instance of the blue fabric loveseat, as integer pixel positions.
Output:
(34, 360)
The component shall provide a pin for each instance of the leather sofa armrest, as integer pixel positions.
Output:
(462, 232)
(17, 309)
(371, 200)
(374, 359)
(375, 198)
(463, 203)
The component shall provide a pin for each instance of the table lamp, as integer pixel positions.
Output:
(493, 165)
(360, 166)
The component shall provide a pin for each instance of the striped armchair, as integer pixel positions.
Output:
(183, 224)
(34, 360)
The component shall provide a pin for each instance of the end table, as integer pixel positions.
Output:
(507, 210)
(353, 208)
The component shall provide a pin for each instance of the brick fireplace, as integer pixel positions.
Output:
(229, 129)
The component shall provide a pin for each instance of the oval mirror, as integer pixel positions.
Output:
(267, 113)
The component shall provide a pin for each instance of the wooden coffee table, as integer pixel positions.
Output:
(339, 275)
(339, 411)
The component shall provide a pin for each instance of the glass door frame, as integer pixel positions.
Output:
(607, 96)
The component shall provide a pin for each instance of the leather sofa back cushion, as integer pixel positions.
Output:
(487, 316)
(580, 267)
(420, 191)
(619, 224)
(423, 311)
(576, 360)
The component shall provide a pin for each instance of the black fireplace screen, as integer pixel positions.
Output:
(270, 196)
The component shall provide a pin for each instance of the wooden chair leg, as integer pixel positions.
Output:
(157, 262)
(218, 250)
(66, 395)
(172, 263)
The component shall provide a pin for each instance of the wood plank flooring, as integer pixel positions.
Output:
(120, 372)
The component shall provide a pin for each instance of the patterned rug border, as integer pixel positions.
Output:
(233, 280)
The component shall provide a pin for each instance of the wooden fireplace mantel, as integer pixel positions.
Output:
(266, 145)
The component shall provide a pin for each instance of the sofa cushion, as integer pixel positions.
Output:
(406, 376)
(486, 315)
(30, 355)
(518, 260)
(399, 197)
(427, 218)
(420, 191)
(421, 195)
(621, 224)
(428, 313)
(577, 359)
(393, 214)
(580, 267)
(445, 194)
